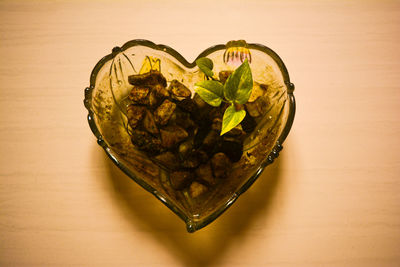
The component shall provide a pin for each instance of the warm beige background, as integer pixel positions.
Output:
(332, 198)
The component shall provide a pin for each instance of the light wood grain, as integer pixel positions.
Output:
(330, 200)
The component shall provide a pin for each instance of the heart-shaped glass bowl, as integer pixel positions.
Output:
(106, 100)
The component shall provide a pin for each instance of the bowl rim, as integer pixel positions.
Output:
(191, 224)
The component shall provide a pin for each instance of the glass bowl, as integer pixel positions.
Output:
(106, 100)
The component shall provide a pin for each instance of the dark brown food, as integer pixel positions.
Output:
(146, 142)
(223, 75)
(217, 112)
(236, 132)
(148, 79)
(168, 159)
(164, 112)
(139, 95)
(178, 91)
(221, 165)
(172, 135)
(232, 148)
(204, 173)
(211, 141)
(258, 107)
(135, 115)
(248, 123)
(188, 105)
(185, 148)
(160, 90)
(182, 119)
(149, 124)
(197, 189)
(201, 133)
(182, 134)
(199, 101)
(191, 162)
(157, 95)
(180, 179)
(194, 159)
(217, 124)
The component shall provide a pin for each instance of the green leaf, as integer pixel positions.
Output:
(205, 65)
(239, 84)
(210, 91)
(231, 118)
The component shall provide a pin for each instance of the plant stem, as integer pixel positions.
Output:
(238, 106)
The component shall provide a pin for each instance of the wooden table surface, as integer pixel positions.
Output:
(331, 199)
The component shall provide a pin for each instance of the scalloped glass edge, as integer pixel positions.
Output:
(191, 225)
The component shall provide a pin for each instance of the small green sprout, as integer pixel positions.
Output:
(236, 91)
